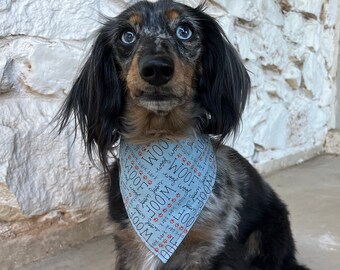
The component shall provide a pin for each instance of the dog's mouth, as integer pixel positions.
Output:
(158, 103)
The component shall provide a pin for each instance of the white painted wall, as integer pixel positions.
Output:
(288, 47)
(337, 102)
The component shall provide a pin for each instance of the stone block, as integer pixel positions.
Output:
(328, 48)
(9, 207)
(49, 68)
(244, 143)
(292, 76)
(272, 134)
(110, 8)
(6, 70)
(257, 107)
(68, 20)
(278, 90)
(312, 33)
(309, 7)
(272, 12)
(306, 118)
(228, 24)
(314, 74)
(6, 150)
(271, 47)
(5, 5)
(46, 172)
(256, 73)
(294, 27)
(331, 12)
(244, 43)
(243, 9)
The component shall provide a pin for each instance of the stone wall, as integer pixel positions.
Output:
(289, 48)
(337, 105)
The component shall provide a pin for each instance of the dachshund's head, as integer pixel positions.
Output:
(157, 70)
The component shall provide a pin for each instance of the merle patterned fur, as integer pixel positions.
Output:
(164, 70)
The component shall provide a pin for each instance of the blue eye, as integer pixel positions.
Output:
(128, 37)
(183, 32)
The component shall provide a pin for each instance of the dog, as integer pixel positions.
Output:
(160, 72)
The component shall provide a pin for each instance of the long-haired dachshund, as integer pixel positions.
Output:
(160, 73)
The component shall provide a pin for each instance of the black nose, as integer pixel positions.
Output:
(156, 70)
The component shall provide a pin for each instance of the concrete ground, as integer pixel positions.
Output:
(312, 193)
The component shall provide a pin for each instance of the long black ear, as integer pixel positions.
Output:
(95, 99)
(224, 84)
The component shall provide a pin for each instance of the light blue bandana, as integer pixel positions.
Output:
(164, 186)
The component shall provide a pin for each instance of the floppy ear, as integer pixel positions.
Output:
(96, 99)
(224, 83)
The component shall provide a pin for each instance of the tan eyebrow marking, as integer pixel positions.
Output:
(135, 19)
(172, 14)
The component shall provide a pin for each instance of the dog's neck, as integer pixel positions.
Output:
(144, 126)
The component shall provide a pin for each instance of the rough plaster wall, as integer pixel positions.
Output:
(337, 105)
(288, 47)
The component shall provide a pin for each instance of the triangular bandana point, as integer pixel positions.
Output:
(164, 186)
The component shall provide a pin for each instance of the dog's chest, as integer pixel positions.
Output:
(218, 219)
(164, 186)
(207, 235)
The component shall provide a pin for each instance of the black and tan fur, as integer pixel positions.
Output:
(202, 87)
